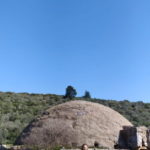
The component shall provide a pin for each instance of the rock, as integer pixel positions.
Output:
(134, 137)
(74, 123)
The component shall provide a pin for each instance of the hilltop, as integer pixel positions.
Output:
(17, 110)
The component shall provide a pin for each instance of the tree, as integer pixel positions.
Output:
(70, 92)
(87, 94)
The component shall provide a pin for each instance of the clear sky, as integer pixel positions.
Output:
(102, 46)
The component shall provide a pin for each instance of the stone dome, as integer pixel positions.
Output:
(74, 123)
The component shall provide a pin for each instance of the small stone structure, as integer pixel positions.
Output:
(133, 137)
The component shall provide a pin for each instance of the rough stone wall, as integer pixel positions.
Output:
(133, 137)
(148, 138)
(127, 137)
(142, 136)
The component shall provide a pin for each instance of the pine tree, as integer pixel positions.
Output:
(70, 92)
(87, 94)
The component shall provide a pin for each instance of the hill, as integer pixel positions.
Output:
(73, 123)
(17, 110)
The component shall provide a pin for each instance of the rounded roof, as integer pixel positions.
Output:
(74, 123)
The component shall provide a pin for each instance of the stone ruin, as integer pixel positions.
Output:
(133, 137)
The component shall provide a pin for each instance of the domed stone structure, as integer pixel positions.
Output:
(74, 123)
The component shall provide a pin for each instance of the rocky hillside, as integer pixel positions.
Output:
(18, 109)
(73, 123)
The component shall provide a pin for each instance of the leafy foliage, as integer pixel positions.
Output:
(87, 95)
(70, 92)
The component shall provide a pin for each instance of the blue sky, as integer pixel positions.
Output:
(97, 45)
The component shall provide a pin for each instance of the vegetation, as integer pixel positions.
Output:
(18, 109)
(70, 92)
(87, 95)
